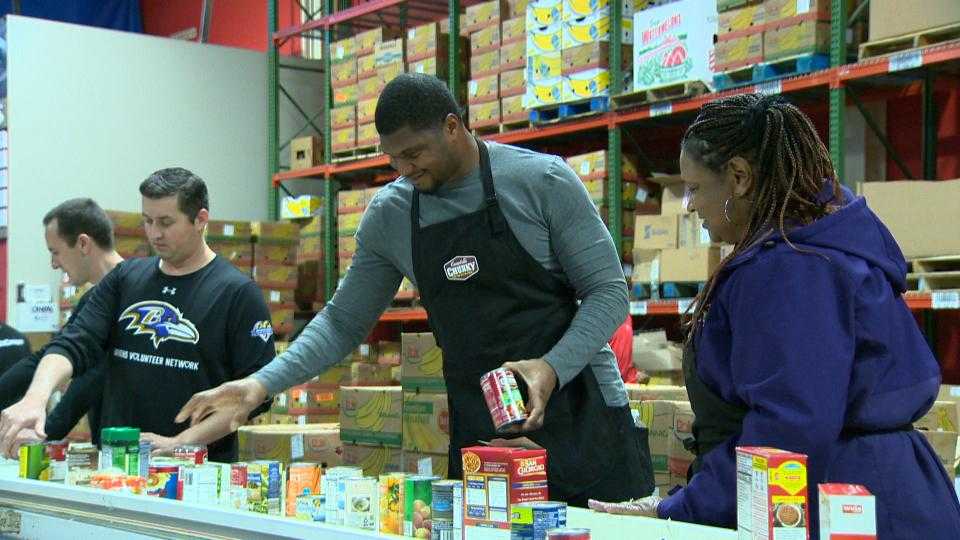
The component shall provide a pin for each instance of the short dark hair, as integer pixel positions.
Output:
(81, 216)
(416, 101)
(189, 188)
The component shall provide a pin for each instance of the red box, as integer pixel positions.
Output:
(772, 500)
(510, 475)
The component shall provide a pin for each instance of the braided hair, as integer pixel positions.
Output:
(790, 167)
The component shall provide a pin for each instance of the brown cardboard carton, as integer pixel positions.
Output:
(944, 444)
(342, 49)
(805, 37)
(483, 89)
(646, 266)
(485, 39)
(345, 95)
(688, 265)
(314, 443)
(512, 109)
(740, 51)
(899, 204)
(484, 114)
(388, 52)
(426, 423)
(778, 10)
(738, 20)
(941, 417)
(422, 363)
(487, 63)
(648, 392)
(371, 415)
(374, 460)
(513, 55)
(367, 135)
(366, 66)
(484, 14)
(513, 29)
(367, 41)
(366, 108)
(436, 464)
(592, 56)
(512, 83)
(891, 18)
(425, 41)
(344, 139)
(343, 116)
(306, 152)
(343, 73)
(655, 232)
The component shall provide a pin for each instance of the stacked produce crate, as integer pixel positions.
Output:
(513, 60)
(740, 37)
(275, 270)
(128, 237)
(482, 22)
(344, 80)
(426, 432)
(371, 427)
(593, 169)
(351, 204)
(310, 291)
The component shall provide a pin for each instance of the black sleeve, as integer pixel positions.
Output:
(250, 343)
(83, 394)
(84, 339)
(15, 381)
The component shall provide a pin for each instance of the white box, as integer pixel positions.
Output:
(674, 43)
(847, 511)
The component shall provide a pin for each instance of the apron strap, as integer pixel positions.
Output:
(495, 216)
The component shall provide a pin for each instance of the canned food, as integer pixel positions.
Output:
(57, 455)
(418, 494)
(34, 461)
(163, 481)
(532, 520)
(568, 534)
(194, 453)
(502, 394)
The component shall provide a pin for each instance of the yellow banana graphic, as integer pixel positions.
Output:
(580, 8)
(545, 15)
(546, 42)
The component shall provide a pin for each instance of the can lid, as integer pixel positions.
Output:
(110, 435)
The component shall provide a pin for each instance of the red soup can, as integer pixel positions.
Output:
(502, 394)
(568, 534)
(194, 453)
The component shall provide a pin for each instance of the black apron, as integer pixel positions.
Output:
(489, 302)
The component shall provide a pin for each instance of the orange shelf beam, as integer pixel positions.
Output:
(403, 315)
(319, 172)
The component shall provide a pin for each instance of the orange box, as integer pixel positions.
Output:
(496, 478)
(772, 498)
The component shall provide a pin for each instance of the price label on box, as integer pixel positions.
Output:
(661, 109)
(945, 300)
(770, 88)
(905, 60)
(638, 308)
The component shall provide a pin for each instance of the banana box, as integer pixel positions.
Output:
(343, 73)
(345, 95)
(343, 139)
(371, 415)
(512, 110)
(421, 363)
(738, 52)
(343, 116)
(574, 9)
(483, 89)
(778, 10)
(388, 52)
(484, 14)
(369, 88)
(351, 201)
(343, 49)
(801, 38)
(515, 8)
(389, 72)
(586, 84)
(366, 374)
(544, 39)
(313, 443)
(594, 165)
(512, 83)
(312, 226)
(485, 64)
(346, 247)
(742, 19)
(366, 108)
(513, 55)
(367, 41)
(366, 66)
(282, 315)
(593, 28)
(545, 66)
(347, 224)
(513, 30)
(374, 460)
(424, 41)
(593, 55)
(418, 462)
(282, 253)
(281, 231)
(545, 92)
(312, 398)
(484, 114)
(278, 276)
(334, 375)
(544, 12)
(437, 66)
(485, 40)
(367, 135)
(426, 423)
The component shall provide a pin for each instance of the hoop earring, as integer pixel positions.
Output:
(726, 211)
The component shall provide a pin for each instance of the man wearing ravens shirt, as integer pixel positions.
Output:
(171, 326)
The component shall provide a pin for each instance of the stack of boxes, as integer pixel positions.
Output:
(673, 43)
(275, 270)
(232, 240)
(373, 364)
(544, 63)
(344, 78)
(740, 37)
(513, 60)
(128, 236)
(388, 62)
(670, 424)
(482, 23)
(315, 443)
(371, 427)
(592, 168)
(310, 270)
(426, 433)
(350, 207)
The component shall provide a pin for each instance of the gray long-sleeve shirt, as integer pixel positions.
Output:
(550, 212)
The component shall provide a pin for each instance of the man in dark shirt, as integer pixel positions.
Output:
(171, 326)
(13, 347)
(79, 236)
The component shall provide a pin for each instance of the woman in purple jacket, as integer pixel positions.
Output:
(801, 339)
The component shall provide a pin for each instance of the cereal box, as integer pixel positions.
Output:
(493, 480)
(772, 499)
(422, 364)
(426, 423)
(371, 415)
(847, 511)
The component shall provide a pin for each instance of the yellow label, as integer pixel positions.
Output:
(545, 39)
(544, 66)
(790, 475)
(543, 15)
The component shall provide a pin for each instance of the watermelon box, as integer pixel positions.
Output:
(674, 44)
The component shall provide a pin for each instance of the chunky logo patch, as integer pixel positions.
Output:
(161, 322)
(461, 268)
(262, 330)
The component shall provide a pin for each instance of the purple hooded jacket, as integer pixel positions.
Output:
(818, 347)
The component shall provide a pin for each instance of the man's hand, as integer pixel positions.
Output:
(160, 445)
(30, 413)
(541, 379)
(237, 398)
(647, 506)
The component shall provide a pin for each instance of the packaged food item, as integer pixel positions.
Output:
(239, 498)
(57, 456)
(426, 423)
(568, 534)
(847, 511)
(193, 453)
(371, 415)
(417, 494)
(446, 509)
(494, 480)
(771, 494)
(264, 487)
(311, 508)
(334, 490)
(502, 394)
(391, 503)
(200, 484)
(302, 479)
(120, 449)
(163, 481)
(82, 461)
(34, 461)
(362, 496)
(532, 520)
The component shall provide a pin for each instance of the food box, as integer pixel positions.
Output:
(229, 230)
(127, 223)
(313, 398)
(426, 423)
(374, 460)
(586, 84)
(278, 231)
(484, 14)
(238, 252)
(484, 89)
(512, 83)
(345, 95)
(366, 374)
(278, 296)
(343, 73)
(484, 114)
(688, 265)
(275, 253)
(346, 245)
(669, 424)
(282, 317)
(594, 166)
(805, 37)
(351, 201)
(313, 443)
(344, 139)
(485, 39)
(692, 233)
(367, 135)
(437, 66)
(485, 64)
(343, 116)
(513, 55)
(890, 18)
(493, 480)
(544, 66)
(430, 464)
(278, 276)
(593, 28)
(362, 498)
(388, 73)
(655, 232)
(741, 20)
(895, 203)
(424, 41)
(545, 39)
(370, 88)
(366, 66)
(575, 9)
(778, 10)
(772, 498)
(673, 43)
(366, 109)
(591, 56)
(545, 92)
(388, 53)
(679, 458)
(347, 224)
(371, 415)
(847, 511)
(302, 480)
(344, 48)
(944, 444)
(422, 363)
(366, 42)
(265, 487)
(513, 29)
(512, 110)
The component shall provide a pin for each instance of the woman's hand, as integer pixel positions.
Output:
(647, 506)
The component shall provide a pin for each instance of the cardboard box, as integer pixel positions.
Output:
(484, 114)
(238, 252)
(668, 357)
(344, 139)
(367, 135)
(484, 14)
(343, 116)
(388, 52)
(346, 246)
(647, 392)
(688, 265)
(594, 28)
(426, 423)
(512, 30)
(280, 277)
(438, 66)
(655, 232)
(592, 56)
(316, 443)
(512, 110)
(679, 459)
(593, 166)
(544, 66)
(515, 8)
(891, 18)
(282, 316)
(389, 72)
(847, 511)
(485, 40)
(806, 37)
(345, 95)
(949, 392)
(374, 460)
(646, 267)
(543, 92)
(898, 205)
(739, 52)
(484, 89)
(366, 109)
(312, 398)
(306, 152)
(493, 480)
(745, 19)
(586, 84)
(544, 39)
(343, 265)
(371, 415)
(366, 42)
(692, 233)
(304, 206)
(487, 63)
(513, 55)
(673, 200)
(778, 10)
(343, 49)
(343, 73)
(367, 374)
(275, 230)
(126, 223)
(366, 66)
(428, 464)
(674, 43)
(659, 417)
(512, 83)
(941, 417)
(944, 444)
(422, 363)
(347, 224)
(351, 201)
(370, 88)
(544, 12)
(772, 497)
(424, 41)
(269, 253)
